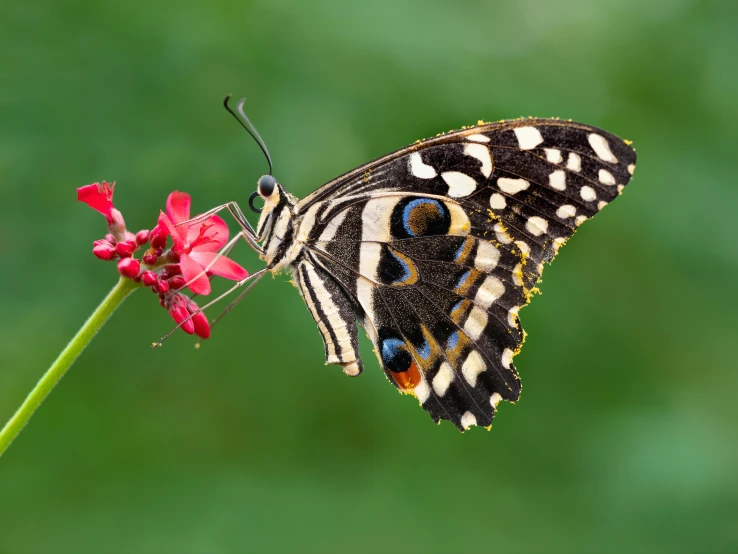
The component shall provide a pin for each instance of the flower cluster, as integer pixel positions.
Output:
(189, 263)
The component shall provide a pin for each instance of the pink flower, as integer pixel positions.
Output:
(98, 197)
(193, 256)
(197, 244)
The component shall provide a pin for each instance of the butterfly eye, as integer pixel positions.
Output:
(266, 185)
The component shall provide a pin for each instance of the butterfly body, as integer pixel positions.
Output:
(433, 249)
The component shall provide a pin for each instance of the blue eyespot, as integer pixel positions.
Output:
(425, 350)
(390, 349)
(453, 340)
(426, 222)
(463, 279)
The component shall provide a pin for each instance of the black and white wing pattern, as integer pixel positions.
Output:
(435, 248)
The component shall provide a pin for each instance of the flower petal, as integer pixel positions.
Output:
(216, 228)
(98, 197)
(178, 207)
(225, 267)
(176, 232)
(193, 271)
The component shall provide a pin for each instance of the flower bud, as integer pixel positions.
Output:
(178, 311)
(129, 267)
(103, 250)
(149, 278)
(110, 238)
(162, 287)
(142, 237)
(124, 249)
(158, 237)
(149, 258)
(202, 325)
(177, 282)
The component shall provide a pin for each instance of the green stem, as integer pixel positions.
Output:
(64, 361)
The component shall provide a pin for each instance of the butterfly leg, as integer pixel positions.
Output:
(254, 276)
(234, 209)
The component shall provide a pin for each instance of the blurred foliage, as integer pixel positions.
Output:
(625, 437)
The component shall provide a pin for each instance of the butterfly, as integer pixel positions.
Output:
(433, 249)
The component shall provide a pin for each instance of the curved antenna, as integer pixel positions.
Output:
(250, 129)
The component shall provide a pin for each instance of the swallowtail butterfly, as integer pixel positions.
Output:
(434, 249)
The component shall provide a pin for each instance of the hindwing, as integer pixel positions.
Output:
(437, 246)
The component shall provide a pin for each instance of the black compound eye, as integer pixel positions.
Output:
(266, 185)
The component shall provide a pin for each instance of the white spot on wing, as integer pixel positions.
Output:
(512, 186)
(489, 291)
(574, 162)
(478, 138)
(495, 399)
(459, 184)
(480, 152)
(528, 137)
(420, 169)
(487, 256)
(553, 155)
(473, 366)
(565, 211)
(587, 193)
(422, 391)
(497, 201)
(557, 180)
(512, 316)
(507, 356)
(601, 204)
(536, 225)
(476, 322)
(468, 419)
(606, 178)
(501, 235)
(443, 379)
(517, 270)
(580, 219)
(631, 168)
(601, 148)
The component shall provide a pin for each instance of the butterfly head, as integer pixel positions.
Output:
(275, 199)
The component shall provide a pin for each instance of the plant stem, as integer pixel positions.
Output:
(67, 357)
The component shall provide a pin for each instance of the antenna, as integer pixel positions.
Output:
(249, 127)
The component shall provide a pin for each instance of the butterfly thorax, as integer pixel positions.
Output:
(277, 228)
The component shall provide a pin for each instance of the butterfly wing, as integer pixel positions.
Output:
(437, 246)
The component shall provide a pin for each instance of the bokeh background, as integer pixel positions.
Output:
(626, 437)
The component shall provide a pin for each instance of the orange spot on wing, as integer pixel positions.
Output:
(407, 380)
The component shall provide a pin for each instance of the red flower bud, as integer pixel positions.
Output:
(149, 278)
(142, 237)
(149, 259)
(129, 267)
(177, 282)
(110, 238)
(162, 287)
(202, 325)
(124, 249)
(158, 237)
(178, 311)
(104, 250)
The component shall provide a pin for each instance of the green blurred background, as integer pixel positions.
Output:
(625, 439)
